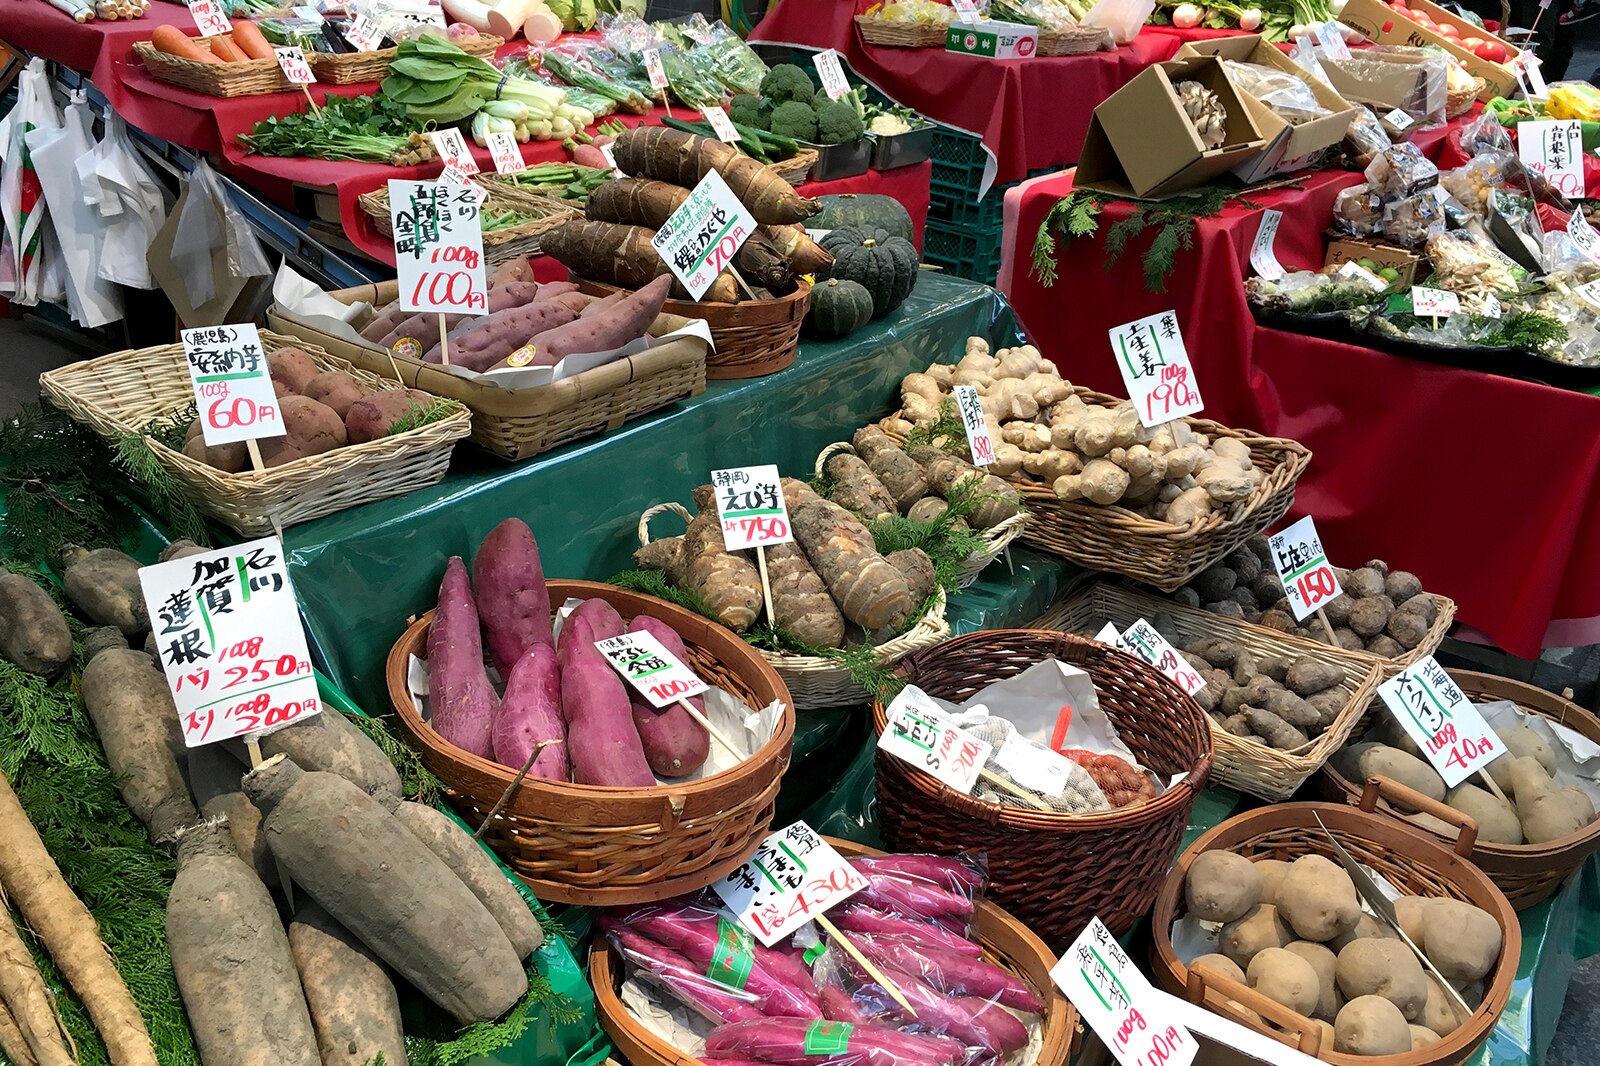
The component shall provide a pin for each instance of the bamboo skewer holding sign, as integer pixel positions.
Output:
(766, 584)
(660, 677)
(865, 963)
(444, 341)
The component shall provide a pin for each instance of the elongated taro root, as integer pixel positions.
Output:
(383, 884)
(635, 202)
(216, 779)
(513, 602)
(354, 1008)
(132, 710)
(231, 957)
(620, 255)
(33, 631)
(947, 475)
(857, 488)
(804, 255)
(684, 158)
(104, 585)
(902, 476)
(918, 570)
(462, 701)
(868, 589)
(530, 715)
(728, 582)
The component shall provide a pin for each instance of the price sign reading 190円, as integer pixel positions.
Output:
(1155, 368)
(438, 247)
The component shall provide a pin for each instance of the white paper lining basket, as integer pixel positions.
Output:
(996, 539)
(816, 682)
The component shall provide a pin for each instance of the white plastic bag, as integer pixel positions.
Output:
(22, 205)
(207, 221)
(1122, 18)
(91, 300)
(125, 192)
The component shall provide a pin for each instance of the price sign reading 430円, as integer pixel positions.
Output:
(232, 387)
(751, 506)
(1436, 714)
(794, 876)
(227, 629)
(1155, 368)
(438, 247)
(1303, 567)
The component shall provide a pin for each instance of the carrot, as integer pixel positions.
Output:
(224, 49)
(619, 255)
(174, 42)
(683, 159)
(249, 40)
(66, 929)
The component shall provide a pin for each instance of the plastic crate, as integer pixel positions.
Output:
(965, 251)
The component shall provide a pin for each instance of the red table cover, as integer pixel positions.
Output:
(1487, 488)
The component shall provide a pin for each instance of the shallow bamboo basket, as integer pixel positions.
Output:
(815, 681)
(1526, 873)
(1082, 40)
(1055, 871)
(347, 68)
(996, 539)
(121, 393)
(602, 845)
(1007, 943)
(1412, 862)
(797, 167)
(752, 339)
(899, 34)
(1459, 103)
(1247, 765)
(499, 245)
(1118, 541)
(248, 78)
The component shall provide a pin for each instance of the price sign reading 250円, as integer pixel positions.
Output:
(438, 247)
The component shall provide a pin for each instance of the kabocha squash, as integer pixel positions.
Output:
(849, 210)
(883, 264)
(838, 308)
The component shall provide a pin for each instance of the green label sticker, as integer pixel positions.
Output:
(815, 952)
(733, 956)
(828, 1038)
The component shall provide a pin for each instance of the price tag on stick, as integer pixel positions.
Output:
(292, 61)
(452, 148)
(364, 34)
(506, 153)
(233, 390)
(1143, 642)
(721, 125)
(1261, 254)
(209, 18)
(1155, 368)
(1119, 1003)
(659, 676)
(701, 238)
(978, 440)
(658, 76)
(1303, 567)
(831, 73)
(228, 633)
(1585, 237)
(1435, 713)
(753, 513)
(919, 733)
(438, 250)
(1433, 303)
(1555, 150)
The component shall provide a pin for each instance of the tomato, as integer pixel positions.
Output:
(1471, 44)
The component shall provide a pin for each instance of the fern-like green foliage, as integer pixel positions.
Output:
(443, 1047)
(419, 415)
(946, 431)
(416, 781)
(59, 487)
(1533, 331)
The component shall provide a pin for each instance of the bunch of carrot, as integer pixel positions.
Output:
(245, 43)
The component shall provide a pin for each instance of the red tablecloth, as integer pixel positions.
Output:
(1486, 487)
(1030, 113)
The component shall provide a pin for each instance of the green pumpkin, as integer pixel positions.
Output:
(850, 210)
(883, 264)
(838, 308)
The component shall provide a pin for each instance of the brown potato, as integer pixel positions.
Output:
(1287, 978)
(1387, 968)
(336, 389)
(312, 427)
(1318, 899)
(1221, 886)
(375, 414)
(1323, 961)
(1462, 940)
(1261, 927)
(1371, 1025)
(291, 370)
(229, 458)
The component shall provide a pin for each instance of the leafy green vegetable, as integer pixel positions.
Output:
(438, 82)
(370, 129)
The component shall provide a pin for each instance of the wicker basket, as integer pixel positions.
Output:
(125, 391)
(1247, 765)
(1526, 873)
(898, 34)
(249, 78)
(1007, 943)
(499, 245)
(518, 423)
(1081, 41)
(1414, 864)
(507, 193)
(602, 845)
(996, 539)
(795, 169)
(1115, 540)
(812, 680)
(1459, 103)
(752, 339)
(1055, 871)
(347, 68)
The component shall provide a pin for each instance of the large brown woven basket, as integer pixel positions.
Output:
(1007, 943)
(1413, 863)
(248, 78)
(600, 845)
(1526, 873)
(1247, 765)
(1118, 541)
(1055, 871)
(347, 68)
(899, 34)
(518, 423)
(124, 392)
(752, 339)
(499, 245)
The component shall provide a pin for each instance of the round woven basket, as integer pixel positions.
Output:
(812, 680)
(996, 539)
(900, 34)
(601, 845)
(1411, 862)
(752, 339)
(1007, 943)
(1074, 42)
(1526, 873)
(1459, 103)
(1055, 871)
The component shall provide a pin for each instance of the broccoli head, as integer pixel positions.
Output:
(795, 119)
(838, 123)
(787, 82)
(750, 111)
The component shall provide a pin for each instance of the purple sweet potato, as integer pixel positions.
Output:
(602, 742)
(855, 917)
(512, 598)
(515, 269)
(549, 290)
(598, 306)
(627, 320)
(375, 414)
(530, 714)
(383, 321)
(697, 991)
(354, 1007)
(783, 1041)
(911, 896)
(951, 874)
(674, 742)
(504, 332)
(945, 970)
(462, 701)
(604, 621)
(310, 428)
(501, 298)
(975, 1022)
(839, 1006)
(290, 369)
(422, 327)
(693, 932)
(336, 389)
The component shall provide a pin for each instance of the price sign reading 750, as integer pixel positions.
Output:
(751, 506)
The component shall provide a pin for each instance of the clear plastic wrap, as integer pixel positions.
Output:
(1464, 263)
(1290, 98)
(1365, 138)
(794, 1042)
(1358, 211)
(715, 1000)
(1486, 134)
(1401, 170)
(1426, 100)
(1029, 773)
(1411, 220)
(1472, 182)
(927, 889)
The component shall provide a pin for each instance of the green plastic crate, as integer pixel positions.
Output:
(965, 251)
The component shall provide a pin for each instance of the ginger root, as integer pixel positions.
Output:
(1102, 482)
(920, 397)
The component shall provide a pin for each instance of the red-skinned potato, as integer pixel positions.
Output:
(229, 458)
(291, 370)
(311, 429)
(336, 389)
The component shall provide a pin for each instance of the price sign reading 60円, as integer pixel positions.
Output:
(232, 387)
(438, 247)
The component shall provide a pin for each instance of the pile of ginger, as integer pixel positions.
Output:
(1044, 431)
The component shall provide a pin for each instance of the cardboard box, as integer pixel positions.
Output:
(1141, 144)
(1396, 80)
(1302, 140)
(1345, 249)
(992, 39)
(1385, 25)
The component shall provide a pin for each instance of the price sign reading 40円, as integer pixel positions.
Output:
(751, 506)
(227, 630)
(438, 247)
(1435, 713)
(232, 387)
(1155, 369)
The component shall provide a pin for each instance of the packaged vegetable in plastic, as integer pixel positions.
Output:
(1288, 96)
(1486, 134)
(857, 917)
(1400, 171)
(963, 874)
(1411, 220)
(1573, 99)
(1472, 182)
(955, 974)
(718, 998)
(914, 896)
(1365, 138)
(797, 1042)
(975, 1022)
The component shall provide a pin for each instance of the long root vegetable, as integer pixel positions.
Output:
(355, 1010)
(728, 582)
(917, 568)
(784, 1041)
(383, 884)
(635, 202)
(804, 255)
(621, 323)
(949, 476)
(530, 716)
(800, 600)
(901, 476)
(684, 158)
(513, 602)
(33, 631)
(215, 777)
(462, 701)
(857, 488)
(620, 255)
(328, 741)
(660, 963)
(868, 589)
(602, 741)
(104, 584)
(674, 743)
(132, 710)
(231, 956)
(26, 1001)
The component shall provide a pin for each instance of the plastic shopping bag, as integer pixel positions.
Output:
(122, 188)
(91, 300)
(22, 203)
(1122, 18)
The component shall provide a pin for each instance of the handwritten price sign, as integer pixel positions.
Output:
(1119, 1003)
(208, 18)
(292, 61)
(653, 68)
(1436, 714)
(751, 506)
(452, 148)
(228, 633)
(1262, 257)
(1303, 567)
(506, 154)
(650, 668)
(1155, 368)
(978, 441)
(232, 387)
(831, 73)
(794, 876)
(721, 124)
(438, 247)
(1143, 642)
(1554, 149)
(703, 236)
(919, 733)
